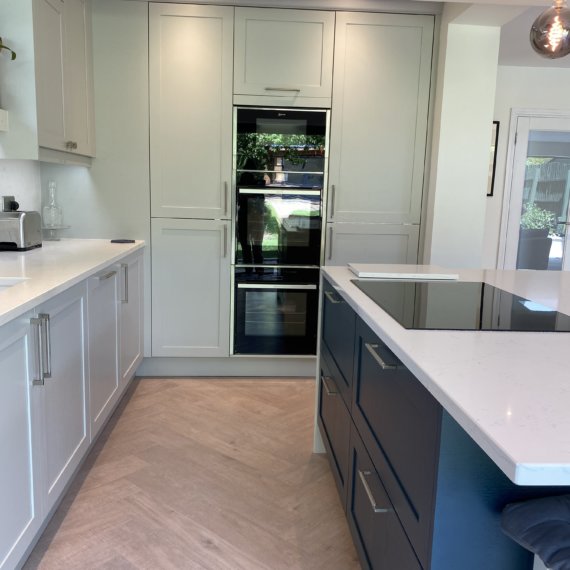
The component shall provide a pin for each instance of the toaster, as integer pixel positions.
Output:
(20, 231)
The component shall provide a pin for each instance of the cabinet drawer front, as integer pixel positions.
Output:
(334, 424)
(378, 534)
(339, 322)
(399, 422)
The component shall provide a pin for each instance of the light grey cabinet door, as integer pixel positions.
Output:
(286, 54)
(371, 243)
(190, 75)
(379, 118)
(190, 287)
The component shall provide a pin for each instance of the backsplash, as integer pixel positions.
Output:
(21, 179)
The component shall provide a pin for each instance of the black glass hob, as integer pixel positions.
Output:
(460, 305)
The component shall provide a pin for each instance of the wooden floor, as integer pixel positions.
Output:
(205, 474)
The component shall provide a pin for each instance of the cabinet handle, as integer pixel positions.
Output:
(277, 286)
(125, 268)
(71, 145)
(373, 503)
(107, 275)
(37, 322)
(225, 238)
(330, 296)
(330, 391)
(372, 350)
(46, 325)
(226, 194)
(330, 243)
(294, 89)
(333, 196)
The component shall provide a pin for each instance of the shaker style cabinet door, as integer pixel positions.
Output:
(283, 53)
(190, 74)
(20, 515)
(379, 122)
(190, 287)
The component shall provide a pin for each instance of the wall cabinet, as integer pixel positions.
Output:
(103, 346)
(286, 54)
(20, 515)
(190, 287)
(190, 67)
(64, 76)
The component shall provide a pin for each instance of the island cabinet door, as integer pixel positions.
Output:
(379, 537)
(400, 423)
(334, 424)
(20, 515)
(339, 321)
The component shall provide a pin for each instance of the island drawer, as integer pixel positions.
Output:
(399, 422)
(338, 329)
(378, 535)
(334, 424)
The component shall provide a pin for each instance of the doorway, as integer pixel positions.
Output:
(537, 205)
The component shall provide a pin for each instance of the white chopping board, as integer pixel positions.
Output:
(403, 271)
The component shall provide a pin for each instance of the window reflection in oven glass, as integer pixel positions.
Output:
(275, 313)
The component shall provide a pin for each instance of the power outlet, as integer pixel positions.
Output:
(7, 203)
(3, 120)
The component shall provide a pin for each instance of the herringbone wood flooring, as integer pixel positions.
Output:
(203, 474)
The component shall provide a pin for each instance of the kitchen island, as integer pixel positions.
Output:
(487, 413)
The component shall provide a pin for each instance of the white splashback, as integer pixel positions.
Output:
(21, 179)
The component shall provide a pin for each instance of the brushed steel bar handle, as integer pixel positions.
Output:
(330, 296)
(225, 199)
(372, 350)
(333, 196)
(225, 238)
(276, 286)
(38, 323)
(330, 244)
(125, 268)
(107, 275)
(71, 145)
(330, 391)
(45, 325)
(277, 192)
(373, 503)
(295, 89)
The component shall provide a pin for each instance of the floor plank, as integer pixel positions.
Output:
(213, 474)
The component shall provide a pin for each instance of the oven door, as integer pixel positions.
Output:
(278, 227)
(275, 311)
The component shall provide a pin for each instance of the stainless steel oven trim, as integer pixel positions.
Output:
(279, 286)
(279, 192)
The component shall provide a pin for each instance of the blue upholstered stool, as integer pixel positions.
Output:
(543, 527)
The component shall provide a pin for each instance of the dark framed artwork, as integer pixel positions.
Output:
(493, 158)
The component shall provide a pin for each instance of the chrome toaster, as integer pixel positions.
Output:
(20, 231)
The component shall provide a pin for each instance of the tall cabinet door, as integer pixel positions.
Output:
(379, 121)
(65, 427)
(190, 67)
(190, 287)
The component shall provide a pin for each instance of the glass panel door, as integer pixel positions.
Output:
(538, 214)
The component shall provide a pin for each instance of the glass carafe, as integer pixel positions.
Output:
(52, 213)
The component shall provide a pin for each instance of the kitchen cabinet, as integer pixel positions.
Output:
(64, 77)
(286, 55)
(378, 136)
(20, 515)
(190, 74)
(103, 326)
(190, 287)
(131, 316)
(371, 243)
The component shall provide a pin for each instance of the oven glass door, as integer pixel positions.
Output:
(276, 311)
(278, 227)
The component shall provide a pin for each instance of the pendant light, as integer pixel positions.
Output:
(550, 32)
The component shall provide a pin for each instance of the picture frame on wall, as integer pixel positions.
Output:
(493, 158)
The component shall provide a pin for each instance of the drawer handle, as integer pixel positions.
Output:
(373, 503)
(330, 391)
(38, 323)
(372, 350)
(330, 296)
(107, 275)
(294, 89)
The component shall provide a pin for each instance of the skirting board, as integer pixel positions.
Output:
(235, 366)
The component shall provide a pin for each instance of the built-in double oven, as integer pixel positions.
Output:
(280, 163)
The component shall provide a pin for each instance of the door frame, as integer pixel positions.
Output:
(516, 113)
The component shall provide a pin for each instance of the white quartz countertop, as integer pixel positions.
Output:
(52, 268)
(510, 391)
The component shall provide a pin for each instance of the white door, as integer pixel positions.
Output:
(537, 204)
(190, 287)
(190, 75)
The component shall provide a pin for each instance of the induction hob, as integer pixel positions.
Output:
(460, 305)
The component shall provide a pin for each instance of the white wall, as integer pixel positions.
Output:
(518, 87)
(21, 179)
(112, 198)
